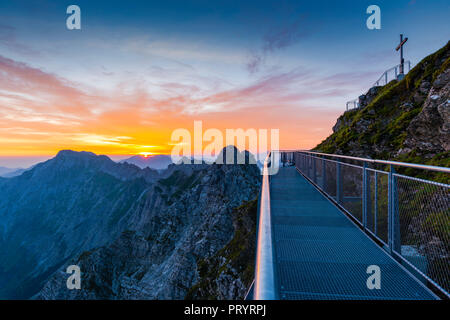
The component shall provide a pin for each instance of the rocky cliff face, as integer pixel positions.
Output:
(405, 120)
(228, 274)
(429, 131)
(134, 234)
(157, 162)
(59, 209)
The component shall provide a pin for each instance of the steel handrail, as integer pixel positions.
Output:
(387, 162)
(305, 161)
(384, 75)
(264, 270)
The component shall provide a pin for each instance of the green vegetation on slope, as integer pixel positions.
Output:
(380, 129)
(235, 262)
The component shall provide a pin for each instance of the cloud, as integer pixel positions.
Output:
(27, 89)
(8, 40)
(277, 38)
(31, 95)
(97, 139)
(177, 50)
(254, 62)
(130, 116)
(283, 37)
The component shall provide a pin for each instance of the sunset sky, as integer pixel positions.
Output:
(137, 70)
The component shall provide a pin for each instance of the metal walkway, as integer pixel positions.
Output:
(320, 254)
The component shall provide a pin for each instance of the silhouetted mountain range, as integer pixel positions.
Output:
(4, 170)
(11, 172)
(136, 233)
(158, 162)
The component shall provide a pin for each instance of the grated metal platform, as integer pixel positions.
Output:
(321, 254)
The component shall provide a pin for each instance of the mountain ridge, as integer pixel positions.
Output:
(182, 219)
(407, 120)
(40, 210)
(79, 206)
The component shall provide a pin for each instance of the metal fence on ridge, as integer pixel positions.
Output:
(384, 79)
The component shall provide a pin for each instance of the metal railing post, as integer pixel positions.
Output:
(306, 165)
(393, 214)
(303, 163)
(314, 170)
(309, 166)
(396, 215)
(390, 209)
(324, 174)
(375, 209)
(338, 182)
(300, 160)
(364, 195)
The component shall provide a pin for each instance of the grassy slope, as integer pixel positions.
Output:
(388, 121)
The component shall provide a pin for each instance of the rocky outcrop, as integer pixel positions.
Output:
(429, 132)
(363, 101)
(409, 121)
(182, 220)
(60, 208)
(228, 274)
(366, 99)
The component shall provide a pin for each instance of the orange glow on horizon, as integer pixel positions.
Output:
(139, 141)
(114, 135)
(146, 154)
(47, 115)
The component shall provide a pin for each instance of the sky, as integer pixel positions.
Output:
(138, 70)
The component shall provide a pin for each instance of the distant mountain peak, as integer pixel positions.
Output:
(157, 161)
(80, 157)
(68, 152)
(231, 155)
